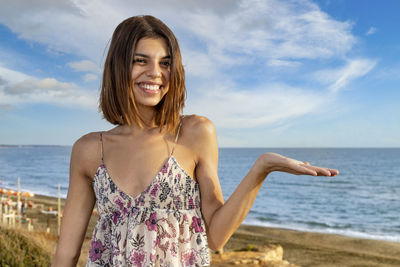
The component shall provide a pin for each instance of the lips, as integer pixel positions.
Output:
(152, 88)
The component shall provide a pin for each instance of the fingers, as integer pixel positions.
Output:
(320, 171)
(324, 172)
(327, 172)
(305, 168)
(310, 171)
(334, 172)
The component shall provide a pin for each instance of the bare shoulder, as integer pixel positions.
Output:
(86, 153)
(198, 126)
(200, 134)
(86, 143)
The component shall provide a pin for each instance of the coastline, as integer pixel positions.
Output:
(299, 247)
(320, 249)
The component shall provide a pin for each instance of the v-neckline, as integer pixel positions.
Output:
(147, 187)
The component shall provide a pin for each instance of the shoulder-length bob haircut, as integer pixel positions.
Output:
(117, 101)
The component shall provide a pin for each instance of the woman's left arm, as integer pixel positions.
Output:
(222, 219)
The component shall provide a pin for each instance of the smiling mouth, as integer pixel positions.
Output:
(150, 87)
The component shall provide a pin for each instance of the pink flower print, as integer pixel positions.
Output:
(165, 168)
(178, 202)
(138, 259)
(104, 225)
(154, 190)
(118, 202)
(196, 225)
(174, 249)
(139, 201)
(157, 242)
(98, 170)
(152, 257)
(152, 222)
(189, 258)
(191, 205)
(117, 216)
(163, 247)
(185, 218)
(96, 250)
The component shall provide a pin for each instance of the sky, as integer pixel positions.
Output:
(268, 73)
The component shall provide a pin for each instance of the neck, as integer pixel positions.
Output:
(148, 115)
(148, 121)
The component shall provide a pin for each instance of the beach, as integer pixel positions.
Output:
(315, 249)
(299, 248)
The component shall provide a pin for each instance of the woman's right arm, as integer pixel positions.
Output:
(79, 204)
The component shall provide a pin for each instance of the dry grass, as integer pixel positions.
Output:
(20, 248)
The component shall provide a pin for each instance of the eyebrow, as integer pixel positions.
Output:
(146, 56)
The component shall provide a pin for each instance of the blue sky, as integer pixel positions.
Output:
(267, 73)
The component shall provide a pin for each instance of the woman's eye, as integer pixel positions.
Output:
(166, 63)
(139, 60)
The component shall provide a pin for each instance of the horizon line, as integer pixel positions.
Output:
(234, 147)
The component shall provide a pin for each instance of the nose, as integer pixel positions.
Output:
(154, 70)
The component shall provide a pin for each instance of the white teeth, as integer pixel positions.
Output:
(150, 87)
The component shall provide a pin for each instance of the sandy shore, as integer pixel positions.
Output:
(300, 248)
(315, 249)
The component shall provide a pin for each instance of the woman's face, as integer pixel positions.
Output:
(150, 71)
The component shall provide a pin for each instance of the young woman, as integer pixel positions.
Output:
(154, 176)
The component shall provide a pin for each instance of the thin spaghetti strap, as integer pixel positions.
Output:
(177, 135)
(101, 148)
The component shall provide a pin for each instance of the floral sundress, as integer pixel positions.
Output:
(162, 226)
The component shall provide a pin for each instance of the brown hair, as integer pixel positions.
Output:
(117, 101)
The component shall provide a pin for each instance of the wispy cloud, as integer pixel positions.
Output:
(232, 108)
(274, 30)
(85, 66)
(283, 63)
(90, 77)
(270, 29)
(219, 40)
(338, 78)
(371, 31)
(5, 107)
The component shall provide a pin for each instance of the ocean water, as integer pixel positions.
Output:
(363, 201)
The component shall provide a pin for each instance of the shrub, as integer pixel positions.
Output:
(17, 249)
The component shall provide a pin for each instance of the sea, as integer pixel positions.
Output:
(362, 201)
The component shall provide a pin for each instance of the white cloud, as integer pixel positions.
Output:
(371, 31)
(11, 76)
(269, 29)
(340, 77)
(283, 63)
(219, 40)
(90, 77)
(84, 65)
(6, 107)
(232, 108)
(272, 29)
(20, 88)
